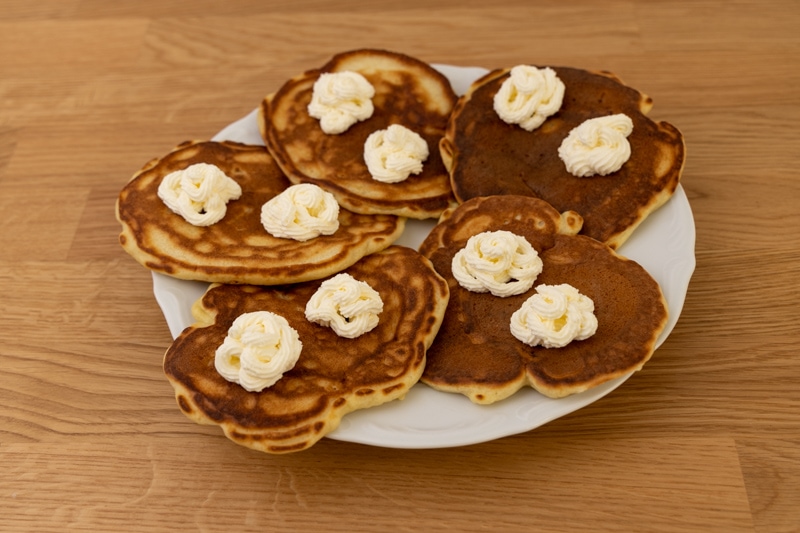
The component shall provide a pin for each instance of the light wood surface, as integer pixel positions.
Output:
(705, 438)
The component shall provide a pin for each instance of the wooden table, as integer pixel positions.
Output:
(705, 438)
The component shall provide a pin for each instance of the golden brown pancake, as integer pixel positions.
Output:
(408, 92)
(237, 249)
(486, 156)
(475, 353)
(333, 376)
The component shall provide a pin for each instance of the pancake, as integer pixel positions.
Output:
(333, 375)
(475, 353)
(487, 156)
(237, 249)
(408, 92)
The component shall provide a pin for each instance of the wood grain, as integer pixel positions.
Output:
(705, 438)
(384, 489)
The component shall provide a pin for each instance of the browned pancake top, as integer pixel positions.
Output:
(333, 375)
(533, 218)
(407, 92)
(493, 157)
(475, 352)
(237, 249)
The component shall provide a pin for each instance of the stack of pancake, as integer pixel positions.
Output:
(487, 156)
(333, 375)
(408, 92)
(475, 353)
(480, 175)
(237, 249)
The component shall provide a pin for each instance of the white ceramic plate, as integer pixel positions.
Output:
(663, 245)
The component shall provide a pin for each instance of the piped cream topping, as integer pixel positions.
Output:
(301, 212)
(259, 348)
(199, 193)
(340, 99)
(598, 146)
(500, 262)
(349, 306)
(553, 317)
(528, 96)
(395, 153)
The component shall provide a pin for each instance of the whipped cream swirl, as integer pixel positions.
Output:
(395, 153)
(597, 146)
(500, 262)
(301, 212)
(199, 193)
(340, 99)
(553, 317)
(349, 306)
(260, 347)
(528, 96)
